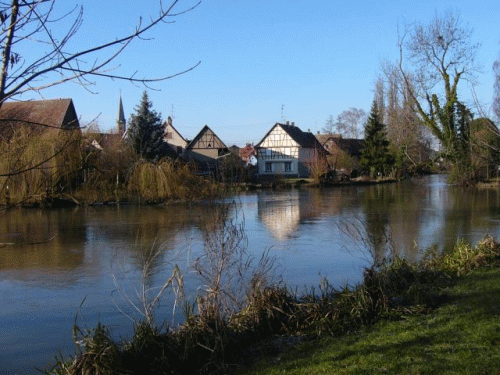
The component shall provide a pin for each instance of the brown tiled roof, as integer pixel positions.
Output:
(51, 113)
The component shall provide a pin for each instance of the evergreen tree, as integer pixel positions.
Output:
(375, 156)
(145, 131)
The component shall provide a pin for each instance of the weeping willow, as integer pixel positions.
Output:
(155, 182)
(37, 166)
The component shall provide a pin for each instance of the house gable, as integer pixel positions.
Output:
(173, 137)
(205, 149)
(206, 140)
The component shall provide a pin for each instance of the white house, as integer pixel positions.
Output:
(287, 151)
(174, 138)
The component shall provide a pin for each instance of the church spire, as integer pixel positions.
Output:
(120, 121)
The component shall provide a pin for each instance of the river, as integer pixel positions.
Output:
(85, 264)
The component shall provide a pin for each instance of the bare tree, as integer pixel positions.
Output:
(409, 138)
(434, 59)
(349, 123)
(330, 126)
(496, 86)
(380, 97)
(28, 22)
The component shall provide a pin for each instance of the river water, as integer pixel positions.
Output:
(85, 264)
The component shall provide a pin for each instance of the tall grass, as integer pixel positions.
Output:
(465, 257)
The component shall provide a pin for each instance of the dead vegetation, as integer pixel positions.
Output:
(240, 305)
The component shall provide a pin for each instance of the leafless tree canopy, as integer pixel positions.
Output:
(349, 123)
(27, 22)
(441, 51)
(434, 59)
(496, 97)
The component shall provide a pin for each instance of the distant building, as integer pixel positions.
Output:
(287, 151)
(38, 115)
(345, 153)
(205, 149)
(174, 138)
(121, 123)
(248, 154)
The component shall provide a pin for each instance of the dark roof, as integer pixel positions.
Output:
(322, 138)
(304, 139)
(235, 150)
(52, 113)
(350, 145)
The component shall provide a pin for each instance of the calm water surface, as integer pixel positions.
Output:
(85, 263)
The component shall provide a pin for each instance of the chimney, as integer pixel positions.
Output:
(293, 123)
(288, 122)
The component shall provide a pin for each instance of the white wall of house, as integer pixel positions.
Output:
(278, 154)
(173, 138)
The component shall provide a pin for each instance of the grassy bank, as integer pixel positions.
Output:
(439, 316)
(461, 336)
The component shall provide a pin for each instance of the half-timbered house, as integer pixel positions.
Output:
(287, 151)
(205, 149)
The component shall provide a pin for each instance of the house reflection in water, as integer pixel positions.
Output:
(283, 213)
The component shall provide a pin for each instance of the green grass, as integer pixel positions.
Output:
(462, 336)
(438, 316)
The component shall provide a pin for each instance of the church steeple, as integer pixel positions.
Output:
(121, 123)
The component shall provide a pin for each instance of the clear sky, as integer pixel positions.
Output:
(261, 60)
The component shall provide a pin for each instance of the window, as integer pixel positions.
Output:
(268, 152)
(168, 135)
(288, 166)
(269, 167)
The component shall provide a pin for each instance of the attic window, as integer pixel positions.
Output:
(209, 145)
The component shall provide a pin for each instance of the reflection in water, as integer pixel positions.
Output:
(34, 239)
(52, 260)
(280, 216)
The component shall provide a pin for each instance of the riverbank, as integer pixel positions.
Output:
(462, 336)
(409, 301)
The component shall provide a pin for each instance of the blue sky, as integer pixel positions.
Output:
(261, 59)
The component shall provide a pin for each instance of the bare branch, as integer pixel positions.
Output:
(29, 23)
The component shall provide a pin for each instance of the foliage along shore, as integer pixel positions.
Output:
(211, 342)
(460, 336)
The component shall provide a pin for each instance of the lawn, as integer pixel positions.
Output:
(461, 336)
